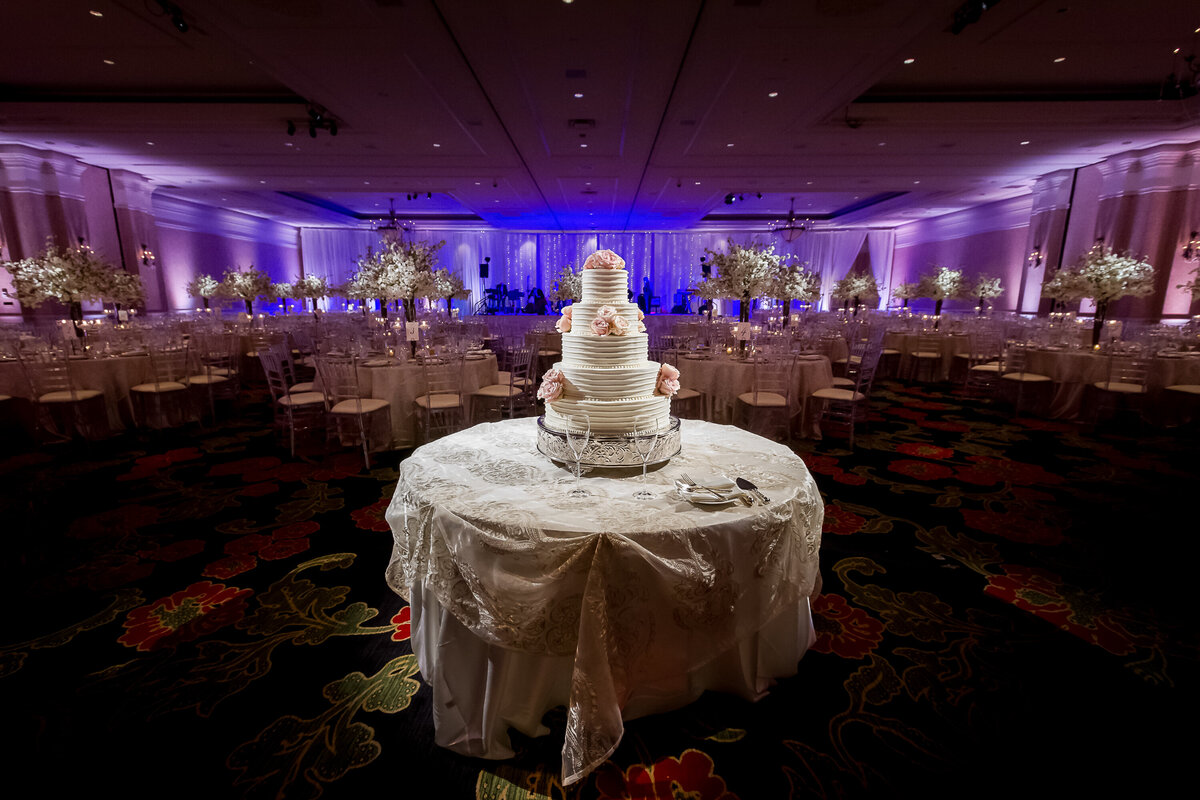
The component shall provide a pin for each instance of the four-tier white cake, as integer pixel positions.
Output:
(605, 372)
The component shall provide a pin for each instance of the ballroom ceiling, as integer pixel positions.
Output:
(597, 114)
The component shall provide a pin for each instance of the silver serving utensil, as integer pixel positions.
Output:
(748, 486)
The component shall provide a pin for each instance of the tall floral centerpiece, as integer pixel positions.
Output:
(744, 272)
(1062, 288)
(1105, 275)
(399, 270)
(791, 281)
(70, 275)
(124, 289)
(858, 288)
(310, 286)
(283, 291)
(247, 285)
(568, 286)
(205, 287)
(986, 287)
(708, 289)
(942, 284)
(905, 292)
(442, 284)
(1193, 285)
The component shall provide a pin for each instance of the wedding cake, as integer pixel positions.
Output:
(605, 373)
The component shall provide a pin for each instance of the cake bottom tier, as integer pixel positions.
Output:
(610, 417)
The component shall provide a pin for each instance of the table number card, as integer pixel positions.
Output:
(413, 330)
(123, 315)
(741, 331)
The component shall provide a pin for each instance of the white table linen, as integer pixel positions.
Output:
(524, 598)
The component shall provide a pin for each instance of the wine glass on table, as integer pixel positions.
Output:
(642, 439)
(579, 433)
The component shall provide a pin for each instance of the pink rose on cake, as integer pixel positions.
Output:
(604, 259)
(618, 326)
(552, 386)
(641, 316)
(600, 326)
(668, 380)
(641, 326)
(564, 322)
(606, 313)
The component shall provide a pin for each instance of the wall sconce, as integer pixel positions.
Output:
(147, 256)
(1035, 257)
(1191, 250)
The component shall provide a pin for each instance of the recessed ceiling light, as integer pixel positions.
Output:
(262, 181)
(288, 144)
(1060, 59)
(583, 144)
(909, 60)
(1025, 142)
(150, 143)
(587, 183)
(96, 13)
(435, 144)
(772, 94)
(916, 181)
(881, 144)
(729, 145)
(366, 183)
(578, 94)
(109, 61)
(808, 183)
(697, 183)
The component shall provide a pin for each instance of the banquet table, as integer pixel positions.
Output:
(722, 378)
(949, 345)
(1073, 370)
(111, 375)
(400, 383)
(524, 598)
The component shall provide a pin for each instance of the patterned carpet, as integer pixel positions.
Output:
(1007, 608)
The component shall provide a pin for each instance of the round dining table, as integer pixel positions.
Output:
(1072, 370)
(721, 377)
(524, 597)
(111, 375)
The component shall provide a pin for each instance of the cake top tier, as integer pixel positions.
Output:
(604, 259)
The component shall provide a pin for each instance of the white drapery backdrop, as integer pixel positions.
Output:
(523, 260)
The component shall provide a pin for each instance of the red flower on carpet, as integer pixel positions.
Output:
(1044, 594)
(929, 405)
(987, 471)
(905, 412)
(403, 623)
(284, 548)
(822, 465)
(921, 470)
(690, 775)
(924, 450)
(148, 465)
(116, 522)
(337, 467)
(175, 551)
(296, 530)
(841, 522)
(259, 489)
(850, 479)
(226, 568)
(247, 545)
(843, 630)
(371, 517)
(1020, 525)
(188, 614)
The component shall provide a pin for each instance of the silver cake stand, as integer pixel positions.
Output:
(607, 451)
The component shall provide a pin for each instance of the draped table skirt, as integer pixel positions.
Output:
(524, 598)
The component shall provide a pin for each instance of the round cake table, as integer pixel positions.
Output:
(524, 598)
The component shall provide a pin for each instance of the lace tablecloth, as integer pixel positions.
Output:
(614, 606)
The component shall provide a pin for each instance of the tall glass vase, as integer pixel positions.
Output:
(76, 310)
(937, 313)
(1098, 321)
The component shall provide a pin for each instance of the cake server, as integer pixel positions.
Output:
(747, 485)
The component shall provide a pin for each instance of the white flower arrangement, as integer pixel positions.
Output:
(282, 290)
(401, 270)
(1105, 275)
(248, 284)
(205, 286)
(1064, 286)
(745, 271)
(568, 285)
(791, 281)
(944, 284)
(986, 287)
(906, 291)
(124, 288)
(312, 286)
(861, 286)
(69, 275)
